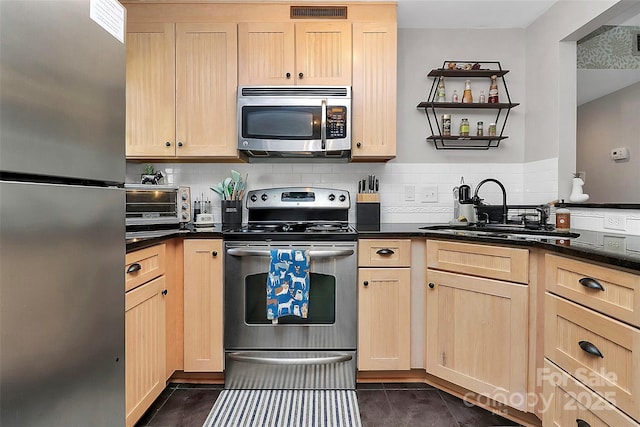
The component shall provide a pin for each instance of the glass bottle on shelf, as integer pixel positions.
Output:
(467, 97)
(483, 98)
(441, 97)
(493, 90)
(480, 129)
(464, 127)
(454, 97)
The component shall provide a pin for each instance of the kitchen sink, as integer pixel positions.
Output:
(504, 231)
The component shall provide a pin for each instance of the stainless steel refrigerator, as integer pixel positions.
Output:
(62, 230)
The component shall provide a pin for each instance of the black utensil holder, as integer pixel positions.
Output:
(368, 216)
(231, 213)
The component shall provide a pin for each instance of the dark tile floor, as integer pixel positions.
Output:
(381, 405)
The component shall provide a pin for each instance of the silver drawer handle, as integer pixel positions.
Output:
(328, 360)
(312, 253)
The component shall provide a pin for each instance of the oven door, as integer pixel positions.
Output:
(318, 352)
(331, 322)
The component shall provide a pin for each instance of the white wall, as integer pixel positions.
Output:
(393, 179)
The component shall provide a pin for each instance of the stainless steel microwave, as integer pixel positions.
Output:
(294, 121)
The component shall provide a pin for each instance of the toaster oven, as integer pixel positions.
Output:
(149, 205)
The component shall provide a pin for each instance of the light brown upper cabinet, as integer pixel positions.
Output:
(181, 85)
(374, 91)
(301, 53)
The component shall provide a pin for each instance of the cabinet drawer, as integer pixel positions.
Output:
(384, 253)
(616, 293)
(144, 265)
(493, 262)
(615, 374)
(566, 401)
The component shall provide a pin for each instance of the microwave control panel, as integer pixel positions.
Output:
(336, 122)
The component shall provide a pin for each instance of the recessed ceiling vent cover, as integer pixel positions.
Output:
(635, 42)
(318, 12)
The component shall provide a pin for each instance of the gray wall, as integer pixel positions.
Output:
(419, 51)
(610, 122)
(551, 80)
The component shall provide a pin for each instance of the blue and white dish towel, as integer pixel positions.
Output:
(288, 284)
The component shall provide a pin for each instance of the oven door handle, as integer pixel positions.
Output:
(326, 360)
(331, 253)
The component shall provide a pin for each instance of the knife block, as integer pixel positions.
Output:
(368, 212)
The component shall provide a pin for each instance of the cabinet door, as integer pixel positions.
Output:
(266, 53)
(323, 53)
(567, 402)
(203, 346)
(206, 81)
(476, 335)
(144, 347)
(384, 319)
(150, 123)
(374, 91)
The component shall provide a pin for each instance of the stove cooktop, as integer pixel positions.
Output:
(296, 213)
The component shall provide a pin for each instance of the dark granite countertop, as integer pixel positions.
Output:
(153, 238)
(605, 247)
(609, 248)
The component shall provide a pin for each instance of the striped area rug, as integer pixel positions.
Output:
(285, 408)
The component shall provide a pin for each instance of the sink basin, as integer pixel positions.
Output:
(504, 231)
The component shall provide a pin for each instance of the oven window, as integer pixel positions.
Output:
(322, 301)
(281, 122)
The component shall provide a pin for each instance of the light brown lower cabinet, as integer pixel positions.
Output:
(384, 319)
(203, 328)
(384, 304)
(145, 376)
(567, 403)
(603, 352)
(476, 335)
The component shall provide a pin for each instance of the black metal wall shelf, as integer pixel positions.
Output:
(456, 142)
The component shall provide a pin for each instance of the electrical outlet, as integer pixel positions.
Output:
(614, 244)
(428, 193)
(409, 193)
(615, 222)
(582, 175)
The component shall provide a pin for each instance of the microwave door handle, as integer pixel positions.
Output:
(323, 125)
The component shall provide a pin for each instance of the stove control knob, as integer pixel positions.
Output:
(264, 197)
(342, 198)
(332, 197)
(254, 197)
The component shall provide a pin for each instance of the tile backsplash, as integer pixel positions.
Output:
(531, 183)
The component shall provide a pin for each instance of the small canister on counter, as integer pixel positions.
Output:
(563, 219)
(446, 124)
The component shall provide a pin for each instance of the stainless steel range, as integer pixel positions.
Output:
(310, 349)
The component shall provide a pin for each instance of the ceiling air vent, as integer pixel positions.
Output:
(635, 42)
(318, 12)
